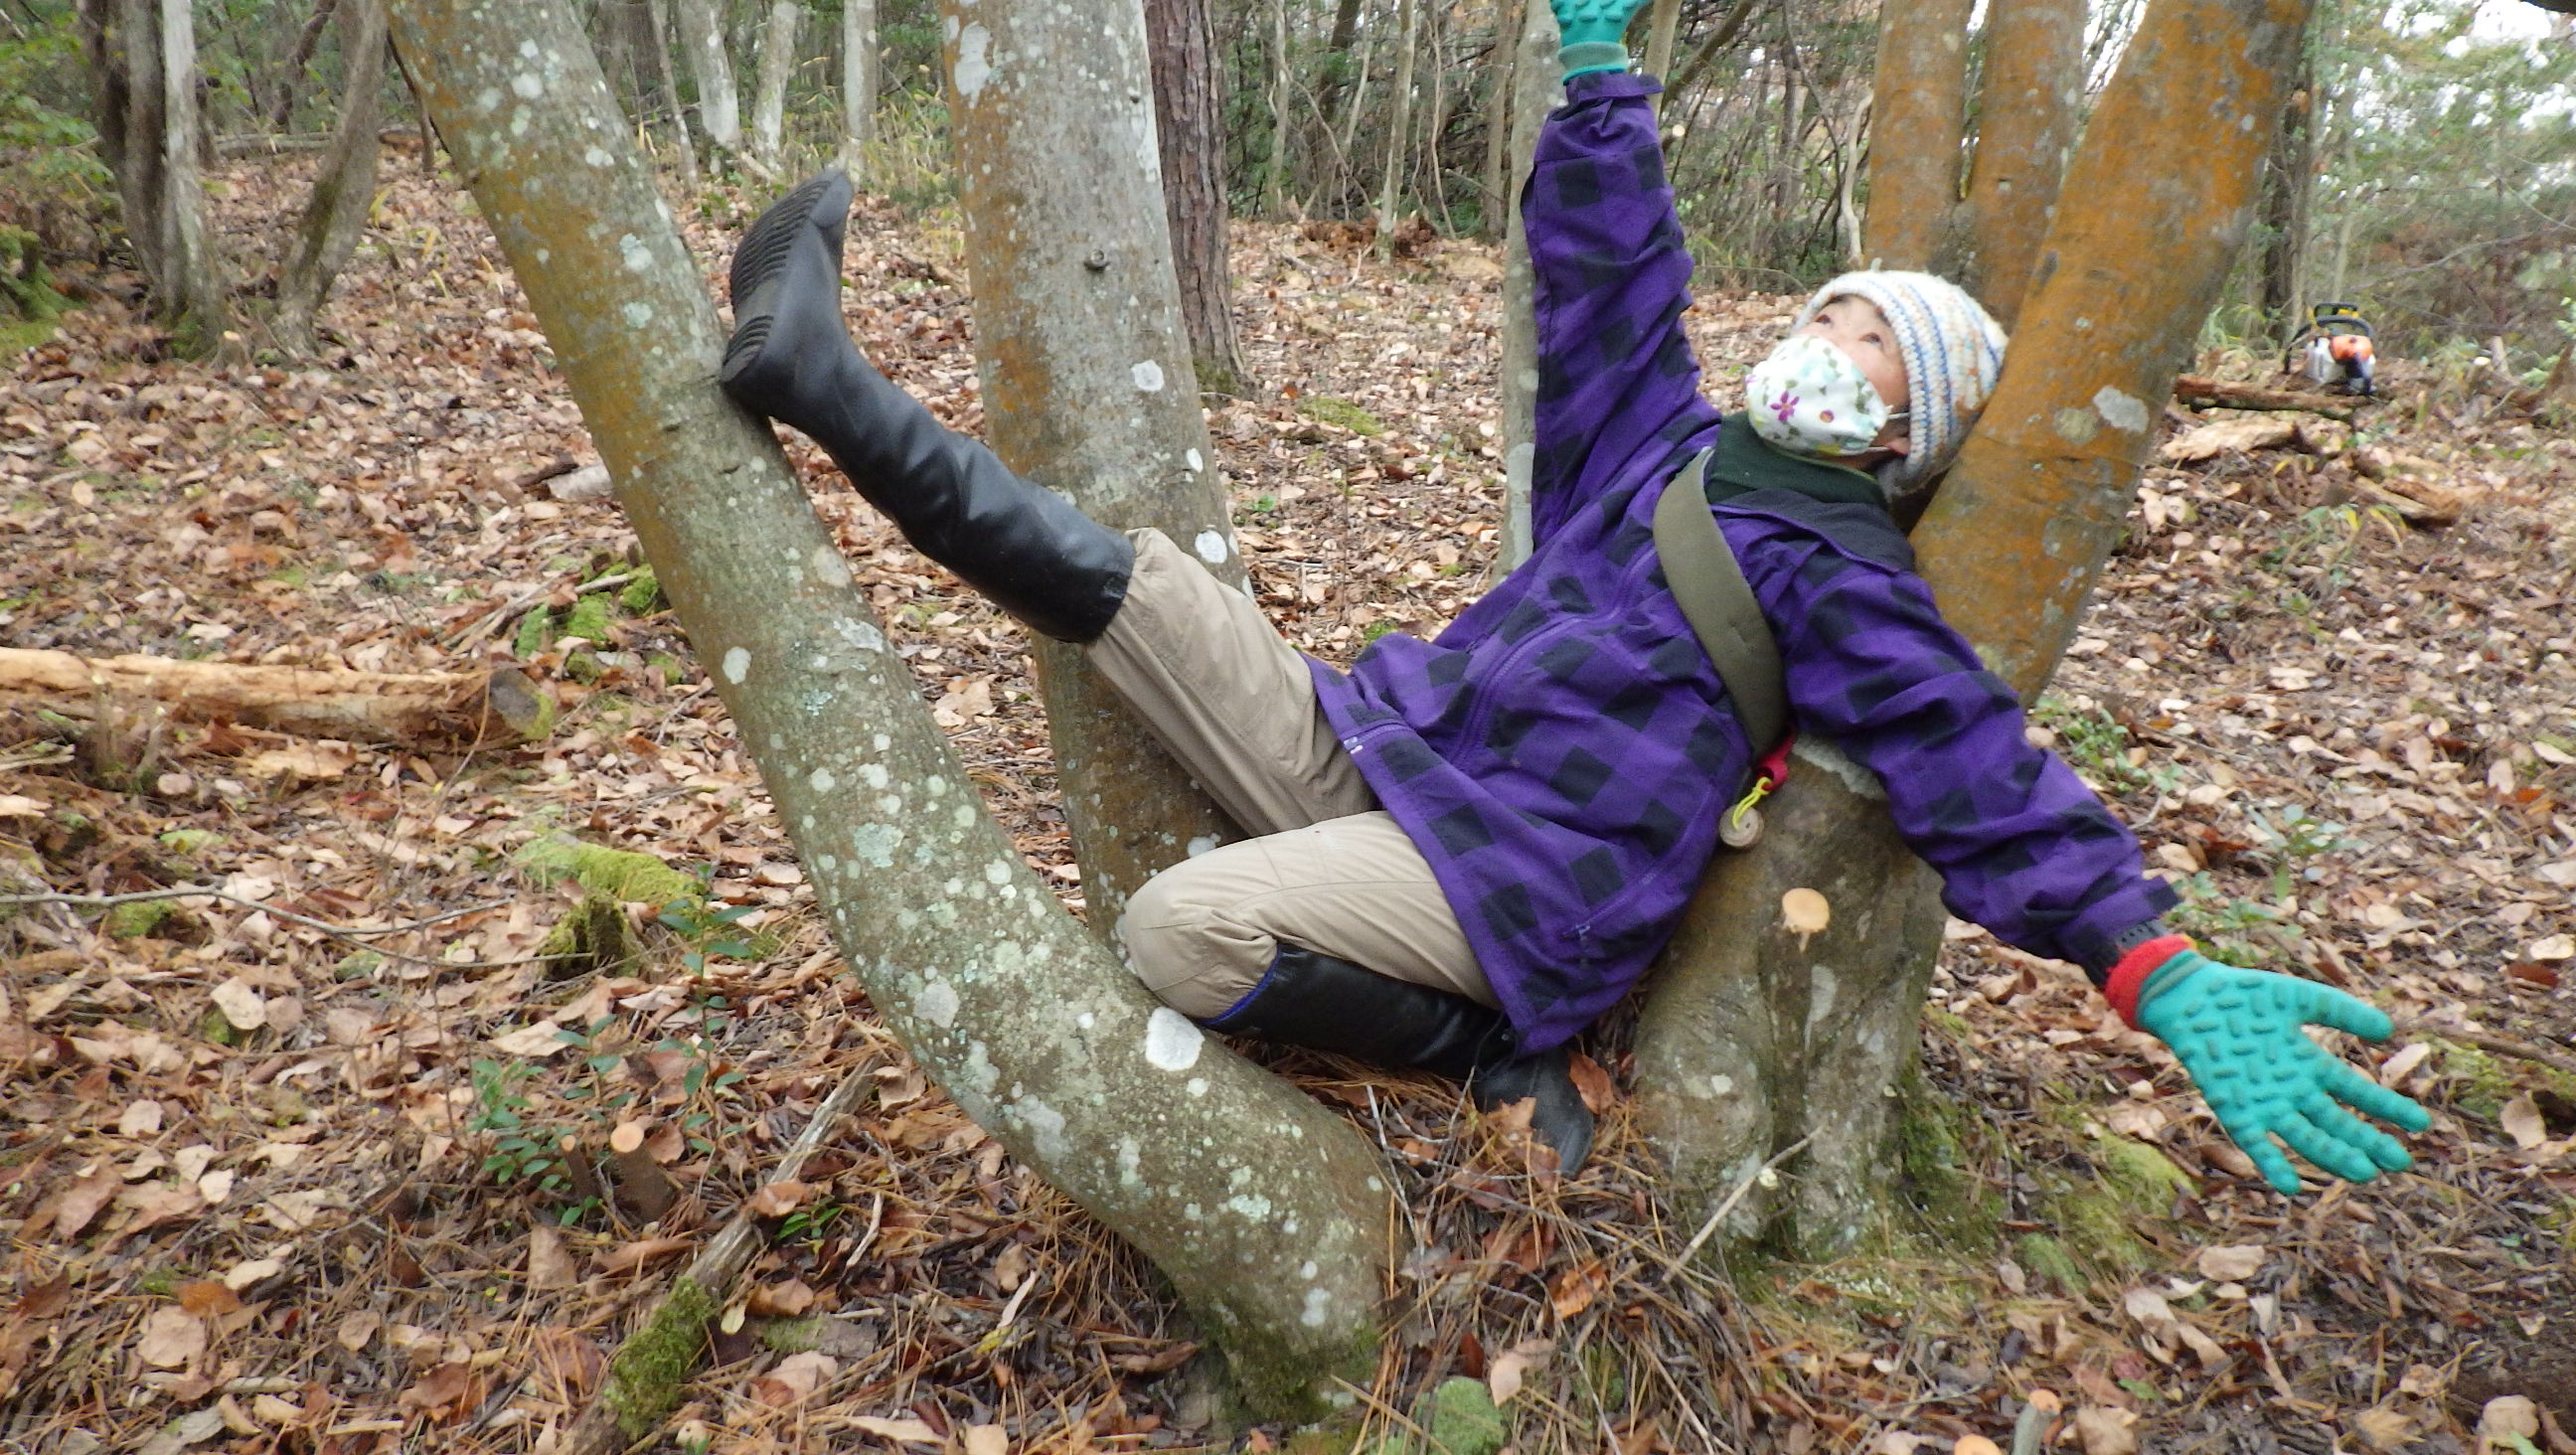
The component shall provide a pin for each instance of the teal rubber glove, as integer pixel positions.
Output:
(2238, 1033)
(1590, 34)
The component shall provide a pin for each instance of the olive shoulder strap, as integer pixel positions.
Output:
(1719, 604)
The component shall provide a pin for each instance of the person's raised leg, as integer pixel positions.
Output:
(792, 359)
(1231, 699)
(1336, 937)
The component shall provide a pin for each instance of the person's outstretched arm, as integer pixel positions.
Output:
(1618, 388)
(2027, 850)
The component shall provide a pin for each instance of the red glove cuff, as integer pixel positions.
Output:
(2131, 973)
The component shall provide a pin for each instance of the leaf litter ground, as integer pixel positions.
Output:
(268, 1188)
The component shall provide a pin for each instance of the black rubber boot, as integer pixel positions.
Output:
(792, 359)
(1326, 1004)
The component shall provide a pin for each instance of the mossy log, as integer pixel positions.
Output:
(415, 710)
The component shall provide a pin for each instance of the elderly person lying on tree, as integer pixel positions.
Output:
(1467, 849)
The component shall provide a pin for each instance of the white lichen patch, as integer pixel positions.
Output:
(996, 872)
(823, 780)
(2120, 411)
(1194, 460)
(1199, 845)
(1148, 376)
(1251, 1205)
(1046, 1127)
(938, 1004)
(830, 569)
(875, 843)
(974, 61)
(737, 664)
(1319, 1307)
(1172, 1043)
(1197, 1086)
(528, 86)
(637, 315)
(1853, 775)
(637, 256)
(596, 157)
(1211, 546)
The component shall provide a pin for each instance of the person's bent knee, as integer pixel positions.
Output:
(1193, 955)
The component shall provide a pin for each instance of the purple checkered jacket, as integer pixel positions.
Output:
(1562, 753)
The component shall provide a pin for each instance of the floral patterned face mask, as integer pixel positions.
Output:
(1810, 398)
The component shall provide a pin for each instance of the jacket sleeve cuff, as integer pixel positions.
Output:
(2129, 973)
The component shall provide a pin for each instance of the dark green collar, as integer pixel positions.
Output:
(1744, 462)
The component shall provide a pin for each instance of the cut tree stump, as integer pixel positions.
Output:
(419, 710)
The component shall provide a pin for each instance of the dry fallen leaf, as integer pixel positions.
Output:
(172, 1338)
(786, 1300)
(2105, 1431)
(626, 1257)
(75, 1205)
(912, 1432)
(2232, 1262)
(241, 1004)
(2521, 1121)
(1504, 1375)
(1575, 1288)
(549, 1266)
(777, 1199)
(795, 1380)
(2382, 1428)
(987, 1440)
(2507, 1420)
(1975, 1445)
(359, 1330)
(208, 1298)
(321, 758)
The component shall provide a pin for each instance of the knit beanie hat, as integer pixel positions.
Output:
(1952, 350)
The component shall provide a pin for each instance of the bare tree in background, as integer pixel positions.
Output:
(1189, 112)
(777, 63)
(719, 108)
(345, 187)
(142, 58)
(858, 84)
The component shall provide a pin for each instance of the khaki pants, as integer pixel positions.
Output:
(1330, 871)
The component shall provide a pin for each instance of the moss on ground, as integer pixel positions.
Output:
(137, 918)
(652, 1368)
(1343, 413)
(595, 936)
(612, 873)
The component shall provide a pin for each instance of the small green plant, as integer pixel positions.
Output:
(809, 1223)
(1343, 413)
(2093, 742)
(706, 932)
(2235, 930)
(521, 1152)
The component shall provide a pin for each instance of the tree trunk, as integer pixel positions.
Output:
(2026, 119)
(1917, 110)
(296, 60)
(143, 61)
(1499, 126)
(1663, 22)
(2289, 195)
(858, 85)
(345, 186)
(719, 110)
(2012, 546)
(1389, 193)
(1189, 132)
(1537, 88)
(657, 14)
(777, 61)
(1267, 1212)
(430, 710)
(1274, 180)
(1088, 386)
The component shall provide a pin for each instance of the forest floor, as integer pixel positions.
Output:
(270, 1188)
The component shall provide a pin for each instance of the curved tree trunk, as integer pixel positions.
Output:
(2012, 547)
(1267, 1212)
(777, 61)
(719, 108)
(1189, 114)
(1088, 386)
(345, 187)
(2026, 121)
(1918, 108)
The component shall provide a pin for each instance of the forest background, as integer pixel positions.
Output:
(2424, 172)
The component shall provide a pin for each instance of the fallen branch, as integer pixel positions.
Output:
(345, 932)
(430, 709)
(2206, 393)
(645, 1375)
(2488, 1041)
